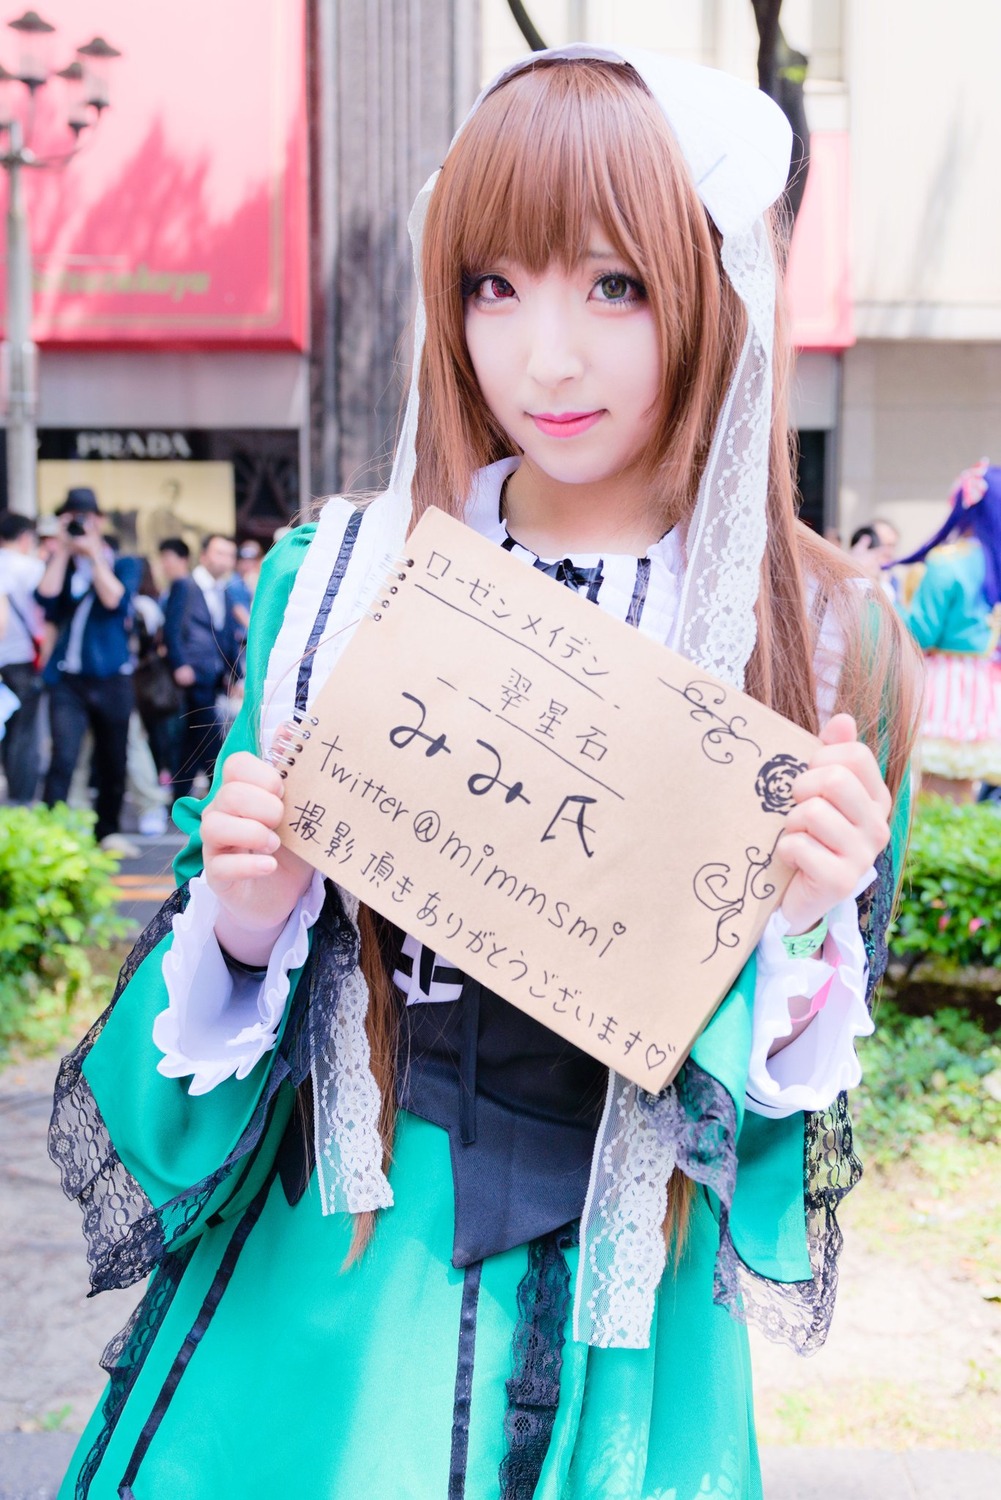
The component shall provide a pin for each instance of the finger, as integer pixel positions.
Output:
(226, 833)
(242, 800)
(854, 757)
(227, 869)
(856, 844)
(818, 820)
(824, 873)
(843, 789)
(839, 730)
(242, 766)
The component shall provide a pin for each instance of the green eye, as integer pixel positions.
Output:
(620, 288)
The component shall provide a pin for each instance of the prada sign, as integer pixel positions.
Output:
(132, 444)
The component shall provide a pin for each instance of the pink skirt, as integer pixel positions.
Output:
(961, 734)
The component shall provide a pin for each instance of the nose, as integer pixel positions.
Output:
(556, 352)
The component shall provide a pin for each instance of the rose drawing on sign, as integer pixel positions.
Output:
(774, 782)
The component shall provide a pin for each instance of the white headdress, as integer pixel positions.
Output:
(736, 144)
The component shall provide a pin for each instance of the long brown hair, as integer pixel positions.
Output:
(556, 149)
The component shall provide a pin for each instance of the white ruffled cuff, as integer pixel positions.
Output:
(811, 1071)
(218, 1023)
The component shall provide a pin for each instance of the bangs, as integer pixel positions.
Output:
(553, 153)
(546, 157)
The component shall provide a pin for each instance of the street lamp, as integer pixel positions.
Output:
(88, 73)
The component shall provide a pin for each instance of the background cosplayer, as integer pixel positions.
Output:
(402, 1238)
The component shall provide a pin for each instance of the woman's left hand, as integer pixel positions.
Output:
(839, 825)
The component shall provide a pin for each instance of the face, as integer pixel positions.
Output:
(889, 542)
(172, 566)
(219, 557)
(569, 364)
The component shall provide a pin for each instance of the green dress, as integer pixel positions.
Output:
(258, 1364)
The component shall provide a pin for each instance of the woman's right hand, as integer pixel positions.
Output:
(256, 880)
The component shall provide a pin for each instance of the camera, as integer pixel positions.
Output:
(76, 528)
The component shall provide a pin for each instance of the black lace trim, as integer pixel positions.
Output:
(533, 1391)
(875, 908)
(125, 1355)
(127, 1237)
(116, 1211)
(699, 1119)
(800, 1313)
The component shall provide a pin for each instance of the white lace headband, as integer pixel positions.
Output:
(736, 144)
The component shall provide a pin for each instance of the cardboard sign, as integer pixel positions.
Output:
(555, 803)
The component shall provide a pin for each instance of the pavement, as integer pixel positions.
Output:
(51, 1334)
(31, 1466)
(146, 880)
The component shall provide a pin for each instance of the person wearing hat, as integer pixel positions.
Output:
(86, 593)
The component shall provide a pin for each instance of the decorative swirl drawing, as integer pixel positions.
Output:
(704, 698)
(774, 782)
(721, 889)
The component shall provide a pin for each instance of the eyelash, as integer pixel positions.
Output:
(471, 285)
(637, 291)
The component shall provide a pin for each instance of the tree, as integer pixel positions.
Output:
(781, 75)
(526, 26)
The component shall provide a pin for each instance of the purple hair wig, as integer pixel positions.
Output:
(982, 521)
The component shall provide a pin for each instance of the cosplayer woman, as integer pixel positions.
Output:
(955, 617)
(403, 1240)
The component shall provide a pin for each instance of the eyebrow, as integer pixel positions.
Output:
(601, 254)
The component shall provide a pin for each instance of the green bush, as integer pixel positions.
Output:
(950, 902)
(923, 1075)
(57, 906)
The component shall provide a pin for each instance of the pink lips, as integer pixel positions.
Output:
(565, 424)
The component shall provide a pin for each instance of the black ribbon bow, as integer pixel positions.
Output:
(565, 571)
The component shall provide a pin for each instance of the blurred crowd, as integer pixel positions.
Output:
(948, 591)
(119, 675)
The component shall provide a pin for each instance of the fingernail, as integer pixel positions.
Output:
(274, 844)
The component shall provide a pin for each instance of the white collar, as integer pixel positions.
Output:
(482, 513)
(204, 579)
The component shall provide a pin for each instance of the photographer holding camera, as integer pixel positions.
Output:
(87, 594)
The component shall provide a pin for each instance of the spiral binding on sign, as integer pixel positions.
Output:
(290, 740)
(292, 734)
(399, 566)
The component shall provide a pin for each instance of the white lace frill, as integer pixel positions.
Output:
(622, 1248)
(219, 1024)
(347, 1104)
(813, 1070)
